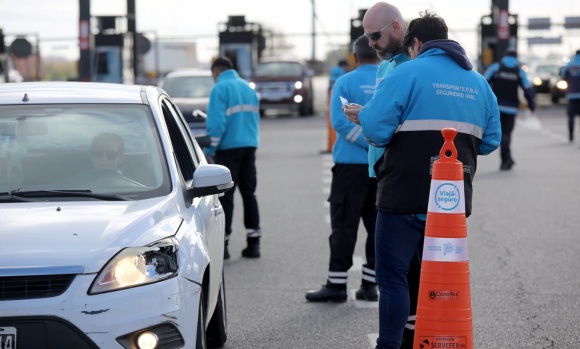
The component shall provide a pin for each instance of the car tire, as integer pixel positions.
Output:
(262, 113)
(303, 111)
(200, 338)
(311, 107)
(555, 99)
(217, 330)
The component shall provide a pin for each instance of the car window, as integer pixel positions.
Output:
(188, 86)
(101, 148)
(278, 69)
(181, 139)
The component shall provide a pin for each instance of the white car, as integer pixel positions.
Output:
(111, 233)
(190, 89)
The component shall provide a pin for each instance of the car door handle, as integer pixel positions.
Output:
(217, 210)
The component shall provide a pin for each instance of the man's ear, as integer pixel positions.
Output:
(396, 25)
(418, 43)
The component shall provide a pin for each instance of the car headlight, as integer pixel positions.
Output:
(298, 85)
(136, 266)
(252, 85)
(537, 81)
(562, 85)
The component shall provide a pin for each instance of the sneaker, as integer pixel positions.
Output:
(367, 293)
(326, 294)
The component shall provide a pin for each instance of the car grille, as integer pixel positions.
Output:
(36, 286)
(275, 87)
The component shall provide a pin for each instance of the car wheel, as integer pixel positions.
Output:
(262, 113)
(200, 338)
(217, 330)
(303, 109)
(555, 99)
(311, 107)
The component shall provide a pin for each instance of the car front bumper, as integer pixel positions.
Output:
(78, 320)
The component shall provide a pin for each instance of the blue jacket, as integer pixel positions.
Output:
(436, 90)
(386, 66)
(571, 73)
(357, 86)
(335, 73)
(504, 78)
(233, 114)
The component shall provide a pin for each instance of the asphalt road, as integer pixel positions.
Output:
(523, 245)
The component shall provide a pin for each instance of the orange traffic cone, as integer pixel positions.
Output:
(444, 306)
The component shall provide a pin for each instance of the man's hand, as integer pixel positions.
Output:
(351, 112)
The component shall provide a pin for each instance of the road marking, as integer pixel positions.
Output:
(372, 340)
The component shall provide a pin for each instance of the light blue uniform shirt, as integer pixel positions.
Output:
(385, 68)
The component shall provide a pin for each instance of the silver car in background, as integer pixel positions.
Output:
(189, 89)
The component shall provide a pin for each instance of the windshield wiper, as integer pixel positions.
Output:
(38, 194)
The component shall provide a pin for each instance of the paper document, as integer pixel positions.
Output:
(344, 101)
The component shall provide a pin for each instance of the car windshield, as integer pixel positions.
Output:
(188, 86)
(102, 149)
(278, 69)
(547, 69)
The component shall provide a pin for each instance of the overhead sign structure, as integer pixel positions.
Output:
(572, 22)
(544, 40)
(539, 23)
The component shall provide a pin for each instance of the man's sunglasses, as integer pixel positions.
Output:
(109, 154)
(377, 35)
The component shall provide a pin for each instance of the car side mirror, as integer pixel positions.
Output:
(210, 179)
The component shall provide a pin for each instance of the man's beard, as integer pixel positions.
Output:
(392, 49)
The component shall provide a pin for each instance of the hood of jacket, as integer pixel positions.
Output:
(451, 47)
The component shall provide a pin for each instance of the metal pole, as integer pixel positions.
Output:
(85, 40)
(132, 28)
(500, 15)
(313, 32)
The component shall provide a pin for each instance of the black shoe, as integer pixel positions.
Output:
(226, 251)
(253, 249)
(507, 165)
(367, 293)
(326, 294)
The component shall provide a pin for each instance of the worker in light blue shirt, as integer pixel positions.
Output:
(233, 118)
(352, 192)
(337, 71)
(571, 73)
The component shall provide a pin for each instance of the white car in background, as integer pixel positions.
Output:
(189, 89)
(94, 257)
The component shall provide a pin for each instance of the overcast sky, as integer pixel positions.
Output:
(56, 22)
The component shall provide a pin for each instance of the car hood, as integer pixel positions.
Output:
(277, 78)
(192, 103)
(542, 75)
(83, 234)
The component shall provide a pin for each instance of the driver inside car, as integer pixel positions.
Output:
(107, 151)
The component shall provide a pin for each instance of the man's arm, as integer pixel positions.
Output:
(492, 132)
(528, 89)
(348, 130)
(215, 123)
(381, 116)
